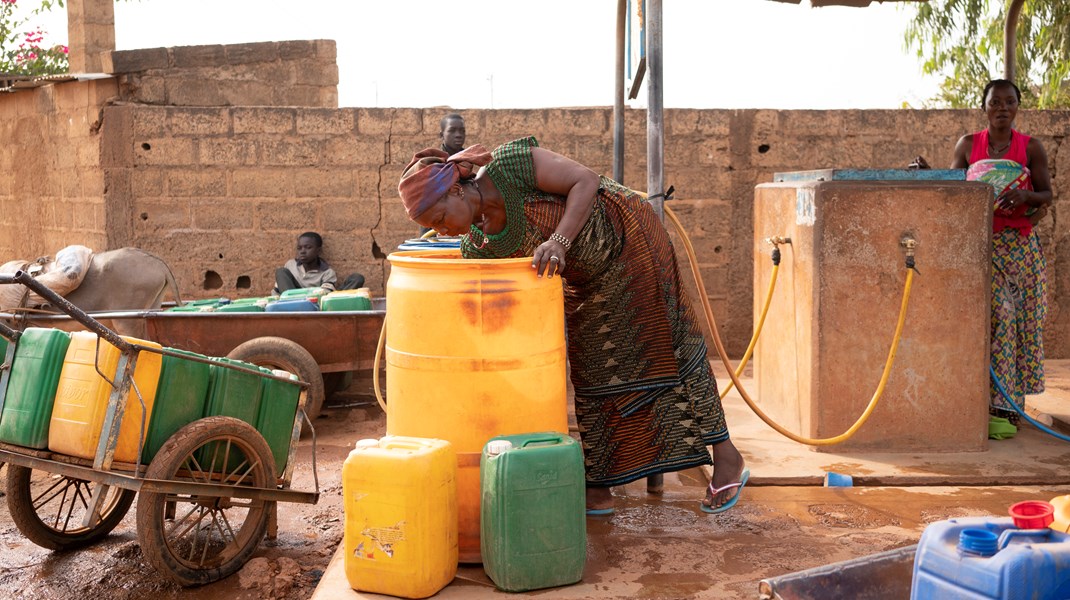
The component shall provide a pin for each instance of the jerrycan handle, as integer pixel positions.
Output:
(542, 439)
(1005, 537)
(396, 444)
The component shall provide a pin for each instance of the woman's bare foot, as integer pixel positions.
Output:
(599, 498)
(727, 468)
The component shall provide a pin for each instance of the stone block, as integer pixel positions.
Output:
(223, 214)
(691, 122)
(196, 182)
(352, 151)
(579, 121)
(296, 49)
(263, 183)
(183, 57)
(241, 54)
(511, 124)
(316, 74)
(301, 95)
(349, 215)
(133, 61)
(281, 216)
(190, 91)
(298, 152)
(263, 120)
(380, 121)
(166, 151)
(247, 93)
(325, 183)
(149, 89)
(325, 121)
(326, 49)
(227, 151)
(281, 75)
(150, 183)
(198, 121)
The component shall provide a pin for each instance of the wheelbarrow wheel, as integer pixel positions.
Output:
(49, 509)
(196, 539)
(281, 353)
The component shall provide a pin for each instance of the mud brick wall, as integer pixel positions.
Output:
(179, 157)
(292, 73)
(51, 182)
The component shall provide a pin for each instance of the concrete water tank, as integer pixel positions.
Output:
(833, 315)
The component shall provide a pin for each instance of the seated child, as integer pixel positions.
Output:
(307, 269)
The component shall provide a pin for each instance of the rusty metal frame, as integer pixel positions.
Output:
(101, 470)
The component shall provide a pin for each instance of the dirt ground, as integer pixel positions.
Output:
(287, 568)
(655, 546)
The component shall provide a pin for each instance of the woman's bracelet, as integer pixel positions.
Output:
(560, 239)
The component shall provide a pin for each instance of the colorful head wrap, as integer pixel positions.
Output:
(431, 172)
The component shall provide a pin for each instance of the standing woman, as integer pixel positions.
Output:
(646, 398)
(1017, 167)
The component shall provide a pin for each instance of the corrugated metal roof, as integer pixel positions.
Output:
(14, 83)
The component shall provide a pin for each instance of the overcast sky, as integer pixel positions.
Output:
(512, 54)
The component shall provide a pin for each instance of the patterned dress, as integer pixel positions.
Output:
(646, 399)
(1019, 284)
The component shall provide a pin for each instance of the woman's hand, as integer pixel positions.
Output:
(919, 163)
(549, 258)
(1012, 199)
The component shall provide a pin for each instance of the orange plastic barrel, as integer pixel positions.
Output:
(474, 349)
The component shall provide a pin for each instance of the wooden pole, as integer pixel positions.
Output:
(1010, 39)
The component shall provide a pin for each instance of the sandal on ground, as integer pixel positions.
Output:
(732, 501)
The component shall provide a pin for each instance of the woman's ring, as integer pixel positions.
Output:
(554, 258)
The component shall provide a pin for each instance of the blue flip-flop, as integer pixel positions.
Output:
(727, 505)
(598, 512)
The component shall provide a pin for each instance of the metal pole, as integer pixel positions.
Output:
(1010, 38)
(655, 141)
(618, 98)
(655, 124)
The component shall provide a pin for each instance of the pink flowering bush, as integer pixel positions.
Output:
(24, 51)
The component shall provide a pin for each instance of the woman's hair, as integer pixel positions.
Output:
(999, 83)
(312, 235)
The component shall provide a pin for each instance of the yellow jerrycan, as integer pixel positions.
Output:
(474, 349)
(400, 500)
(82, 397)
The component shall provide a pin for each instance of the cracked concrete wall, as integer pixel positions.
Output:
(221, 191)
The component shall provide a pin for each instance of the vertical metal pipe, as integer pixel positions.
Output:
(1010, 39)
(618, 98)
(655, 123)
(655, 139)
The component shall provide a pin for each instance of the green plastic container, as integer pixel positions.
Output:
(278, 407)
(180, 399)
(234, 307)
(232, 393)
(31, 389)
(533, 532)
(334, 302)
(302, 292)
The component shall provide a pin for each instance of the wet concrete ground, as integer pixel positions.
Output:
(655, 546)
(663, 546)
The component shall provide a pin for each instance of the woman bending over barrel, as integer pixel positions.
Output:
(646, 398)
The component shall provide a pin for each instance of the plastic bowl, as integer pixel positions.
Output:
(1032, 514)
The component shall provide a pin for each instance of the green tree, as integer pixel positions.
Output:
(23, 50)
(963, 41)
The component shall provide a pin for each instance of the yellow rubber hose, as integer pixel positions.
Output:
(757, 331)
(735, 380)
(375, 373)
